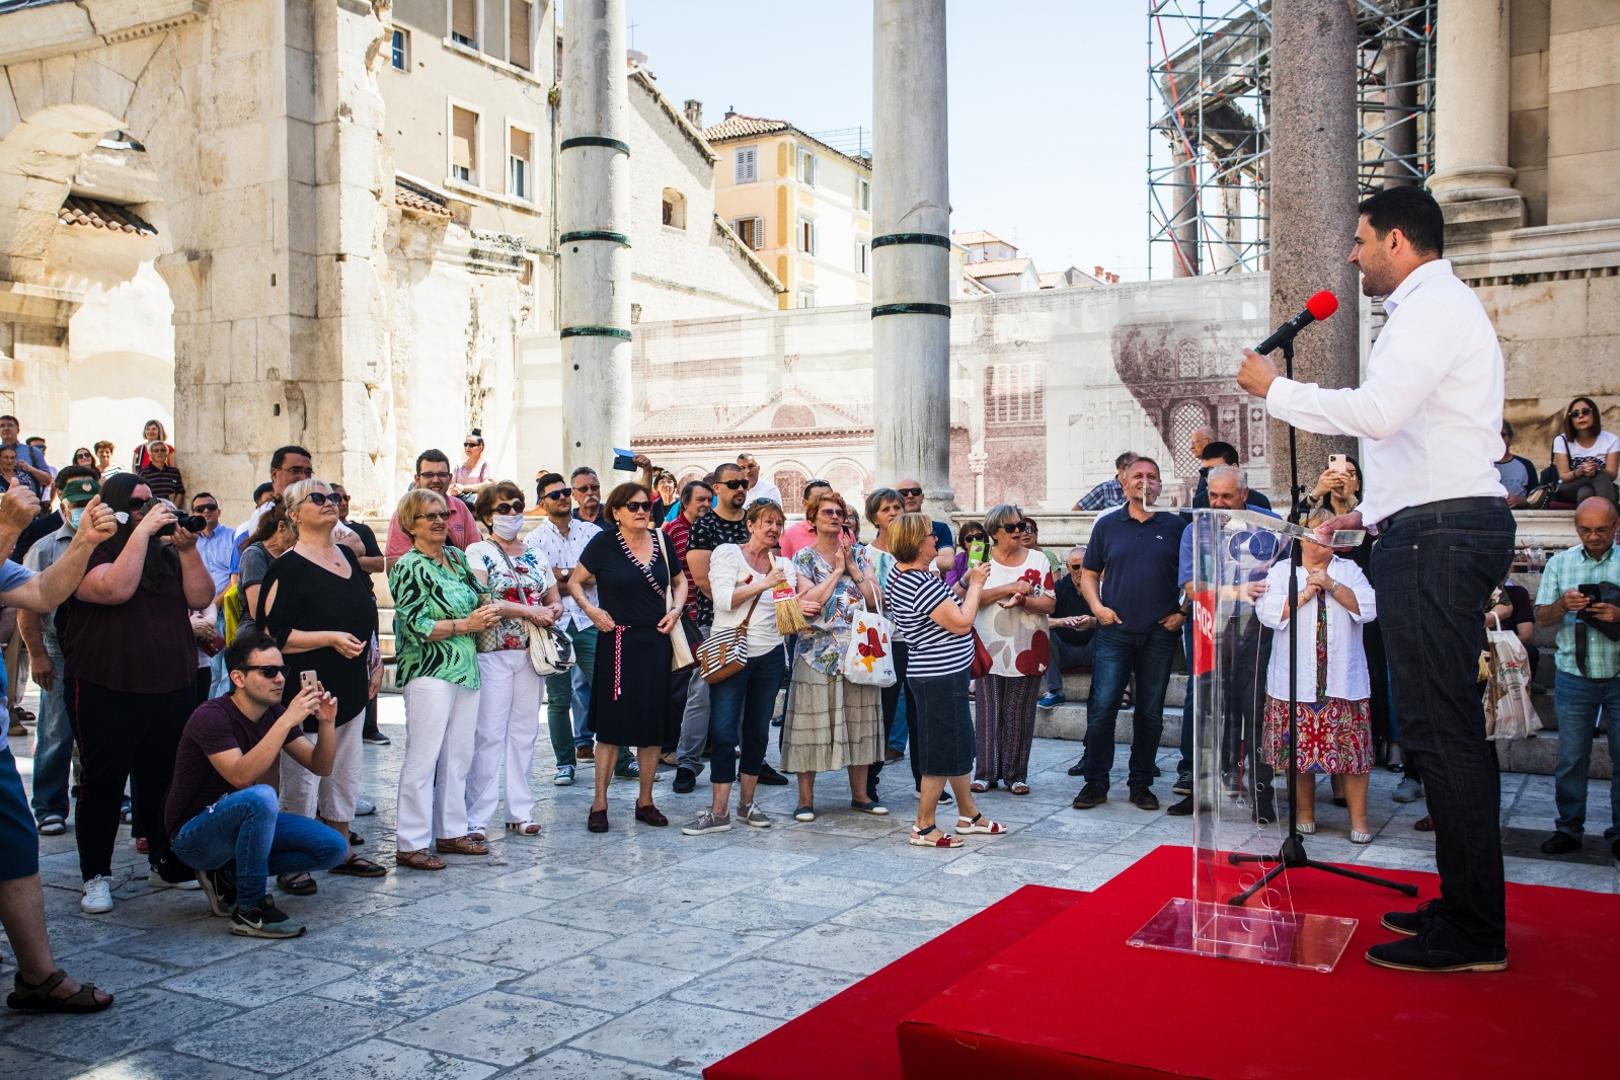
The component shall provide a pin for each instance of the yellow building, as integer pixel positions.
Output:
(804, 207)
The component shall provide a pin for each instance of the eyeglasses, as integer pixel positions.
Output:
(1581, 411)
(342, 496)
(515, 507)
(299, 470)
(321, 498)
(910, 493)
(433, 515)
(560, 493)
(471, 445)
(1075, 568)
(638, 506)
(1016, 526)
(831, 512)
(587, 489)
(269, 671)
(205, 508)
(433, 476)
(734, 485)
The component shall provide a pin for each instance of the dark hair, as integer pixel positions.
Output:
(261, 491)
(430, 455)
(1507, 429)
(1150, 461)
(13, 419)
(1223, 450)
(811, 486)
(476, 434)
(962, 537)
(1569, 425)
(162, 562)
(484, 508)
(279, 458)
(87, 452)
(723, 466)
(1411, 210)
(73, 472)
(581, 470)
(201, 495)
(623, 493)
(692, 485)
(32, 439)
(545, 480)
(1125, 459)
(238, 652)
(1351, 458)
(272, 519)
(1031, 525)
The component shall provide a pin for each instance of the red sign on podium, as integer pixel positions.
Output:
(1203, 633)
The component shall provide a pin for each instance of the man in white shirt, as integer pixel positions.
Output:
(757, 489)
(1430, 413)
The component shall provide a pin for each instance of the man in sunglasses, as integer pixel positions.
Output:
(219, 553)
(433, 472)
(911, 497)
(222, 815)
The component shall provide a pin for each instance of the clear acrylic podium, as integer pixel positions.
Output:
(1236, 830)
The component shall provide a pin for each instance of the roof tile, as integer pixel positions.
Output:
(97, 214)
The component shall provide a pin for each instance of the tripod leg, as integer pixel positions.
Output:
(1400, 887)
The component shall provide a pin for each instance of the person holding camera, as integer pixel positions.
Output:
(1580, 594)
(130, 669)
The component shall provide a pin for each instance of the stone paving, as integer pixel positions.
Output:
(641, 953)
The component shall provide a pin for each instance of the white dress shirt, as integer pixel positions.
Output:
(1347, 659)
(764, 490)
(562, 553)
(1430, 405)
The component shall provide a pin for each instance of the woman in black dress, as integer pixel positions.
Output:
(630, 691)
(318, 605)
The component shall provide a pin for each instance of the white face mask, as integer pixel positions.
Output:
(507, 526)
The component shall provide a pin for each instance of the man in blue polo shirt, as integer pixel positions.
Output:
(1129, 580)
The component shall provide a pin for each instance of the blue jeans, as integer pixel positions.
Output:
(1118, 654)
(53, 747)
(1066, 655)
(1435, 574)
(571, 688)
(1579, 700)
(740, 709)
(248, 827)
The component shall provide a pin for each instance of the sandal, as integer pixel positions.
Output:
(460, 845)
(1018, 788)
(919, 838)
(355, 839)
(523, 828)
(36, 997)
(300, 884)
(979, 787)
(477, 835)
(420, 859)
(358, 866)
(1306, 828)
(978, 824)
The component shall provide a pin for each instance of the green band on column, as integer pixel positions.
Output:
(912, 309)
(935, 239)
(595, 331)
(595, 140)
(594, 234)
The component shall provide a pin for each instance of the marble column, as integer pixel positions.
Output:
(1184, 210)
(911, 248)
(1471, 102)
(594, 222)
(1313, 207)
(1400, 105)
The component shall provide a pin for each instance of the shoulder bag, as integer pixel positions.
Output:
(725, 652)
(550, 650)
(680, 649)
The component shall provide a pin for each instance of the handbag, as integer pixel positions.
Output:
(1508, 711)
(869, 659)
(725, 652)
(680, 649)
(551, 652)
(981, 658)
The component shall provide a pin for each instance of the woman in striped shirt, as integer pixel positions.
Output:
(939, 632)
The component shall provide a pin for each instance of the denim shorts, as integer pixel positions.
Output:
(943, 724)
(19, 840)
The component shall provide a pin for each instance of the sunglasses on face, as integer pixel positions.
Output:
(1076, 568)
(1581, 411)
(321, 498)
(433, 476)
(433, 515)
(514, 507)
(205, 508)
(269, 671)
(471, 445)
(832, 513)
(560, 493)
(638, 506)
(734, 485)
(342, 496)
(1016, 526)
(910, 493)
(588, 489)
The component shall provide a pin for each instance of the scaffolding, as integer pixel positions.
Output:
(1209, 91)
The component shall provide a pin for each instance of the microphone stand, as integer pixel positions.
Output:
(1292, 855)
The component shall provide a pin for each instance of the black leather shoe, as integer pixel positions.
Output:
(1560, 843)
(1093, 794)
(685, 781)
(1411, 923)
(1437, 947)
(1079, 767)
(1144, 799)
(770, 777)
(1265, 812)
(1181, 807)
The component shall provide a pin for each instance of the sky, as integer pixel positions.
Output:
(1047, 104)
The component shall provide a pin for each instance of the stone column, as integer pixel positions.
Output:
(911, 251)
(1313, 206)
(1471, 115)
(1400, 103)
(594, 218)
(1184, 210)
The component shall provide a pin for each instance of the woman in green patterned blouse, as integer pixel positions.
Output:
(437, 616)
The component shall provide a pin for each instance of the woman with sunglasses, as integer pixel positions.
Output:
(1587, 457)
(83, 456)
(471, 476)
(317, 603)
(519, 582)
(1011, 621)
(631, 567)
(971, 532)
(129, 675)
(437, 617)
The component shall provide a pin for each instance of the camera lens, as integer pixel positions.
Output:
(194, 523)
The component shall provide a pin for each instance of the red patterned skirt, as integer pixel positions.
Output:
(1335, 736)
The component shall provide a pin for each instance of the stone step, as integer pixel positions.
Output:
(1536, 755)
(1077, 686)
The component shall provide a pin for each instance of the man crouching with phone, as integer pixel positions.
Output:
(221, 812)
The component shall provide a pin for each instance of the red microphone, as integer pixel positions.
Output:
(1320, 306)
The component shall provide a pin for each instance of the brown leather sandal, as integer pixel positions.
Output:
(37, 997)
(420, 859)
(461, 845)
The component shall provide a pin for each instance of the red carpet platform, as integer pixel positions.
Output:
(1070, 998)
(852, 1034)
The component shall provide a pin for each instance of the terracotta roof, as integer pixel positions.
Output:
(995, 267)
(738, 126)
(102, 215)
(409, 196)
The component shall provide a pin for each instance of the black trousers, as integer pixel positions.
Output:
(120, 736)
(891, 708)
(1435, 573)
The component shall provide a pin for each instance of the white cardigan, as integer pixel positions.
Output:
(1347, 660)
(727, 570)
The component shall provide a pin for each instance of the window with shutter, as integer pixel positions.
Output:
(807, 168)
(863, 256)
(758, 240)
(464, 145)
(518, 35)
(519, 165)
(399, 50)
(464, 22)
(745, 169)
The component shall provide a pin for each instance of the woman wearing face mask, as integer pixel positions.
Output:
(520, 583)
(129, 674)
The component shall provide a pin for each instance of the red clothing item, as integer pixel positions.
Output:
(679, 532)
(463, 531)
(797, 536)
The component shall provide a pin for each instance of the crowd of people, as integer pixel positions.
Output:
(215, 686)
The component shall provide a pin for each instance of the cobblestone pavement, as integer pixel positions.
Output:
(637, 954)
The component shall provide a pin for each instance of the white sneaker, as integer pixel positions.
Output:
(364, 808)
(155, 880)
(97, 899)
